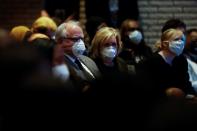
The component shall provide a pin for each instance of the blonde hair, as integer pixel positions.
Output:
(44, 22)
(37, 36)
(169, 35)
(19, 32)
(101, 36)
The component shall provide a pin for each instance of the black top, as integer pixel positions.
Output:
(135, 55)
(115, 80)
(157, 75)
(112, 71)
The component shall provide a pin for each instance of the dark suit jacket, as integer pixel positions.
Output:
(81, 78)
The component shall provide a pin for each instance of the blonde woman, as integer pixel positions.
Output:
(106, 46)
(161, 71)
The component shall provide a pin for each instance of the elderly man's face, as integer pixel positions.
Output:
(74, 34)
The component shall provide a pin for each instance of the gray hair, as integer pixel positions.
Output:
(61, 31)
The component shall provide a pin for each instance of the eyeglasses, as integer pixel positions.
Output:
(74, 39)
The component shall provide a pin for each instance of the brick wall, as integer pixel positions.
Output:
(19, 12)
(154, 13)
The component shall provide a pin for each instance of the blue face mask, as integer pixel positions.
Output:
(61, 71)
(177, 47)
(135, 37)
(183, 39)
(109, 53)
(78, 48)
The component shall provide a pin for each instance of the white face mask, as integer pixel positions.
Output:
(135, 37)
(109, 53)
(61, 72)
(78, 48)
(177, 47)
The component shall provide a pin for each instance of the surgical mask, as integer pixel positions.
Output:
(53, 37)
(61, 72)
(109, 53)
(78, 48)
(177, 47)
(135, 37)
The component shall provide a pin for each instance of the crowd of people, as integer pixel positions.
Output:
(53, 61)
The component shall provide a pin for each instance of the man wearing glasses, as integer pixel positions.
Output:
(83, 71)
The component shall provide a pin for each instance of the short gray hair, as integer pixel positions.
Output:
(61, 31)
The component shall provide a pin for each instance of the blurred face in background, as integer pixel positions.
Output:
(192, 42)
(130, 33)
(132, 25)
(58, 56)
(128, 26)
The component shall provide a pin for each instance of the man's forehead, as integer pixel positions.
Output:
(74, 31)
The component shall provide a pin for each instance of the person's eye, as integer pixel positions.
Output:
(176, 39)
(132, 29)
(107, 44)
(114, 44)
(75, 39)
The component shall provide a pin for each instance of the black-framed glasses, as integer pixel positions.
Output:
(74, 39)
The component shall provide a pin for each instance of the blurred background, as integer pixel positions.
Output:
(151, 13)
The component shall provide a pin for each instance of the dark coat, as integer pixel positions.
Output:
(81, 78)
(156, 75)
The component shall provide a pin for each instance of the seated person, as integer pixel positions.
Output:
(161, 71)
